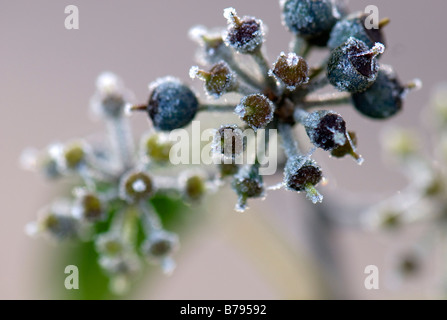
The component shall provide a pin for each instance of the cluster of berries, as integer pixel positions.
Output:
(119, 181)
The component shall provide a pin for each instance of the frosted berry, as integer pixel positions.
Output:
(256, 110)
(326, 129)
(383, 99)
(248, 184)
(218, 80)
(353, 67)
(301, 173)
(290, 69)
(172, 104)
(354, 26)
(245, 35)
(312, 19)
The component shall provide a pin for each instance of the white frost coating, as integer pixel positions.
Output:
(240, 110)
(292, 59)
(139, 185)
(168, 266)
(313, 195)
(109, 83)
(194, 72)
(29, 158)
(378, 48)
(277, 186)
(230, 14)
(31, 229)
(197, 33)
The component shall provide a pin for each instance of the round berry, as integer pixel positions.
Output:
(89, 207)
(291, 70)
(156, 147)
(247, 184)
(160, 244)
(326, 129)
(193, 186)
(59, 226)
(353, 67)
(110, 244)
(172, 104)
(311, 18)
(74, 156)
(301, 172)
(136, 186)
(354, 26)
(256, 110)
(218, 81)
(245, 35)
(383, 99)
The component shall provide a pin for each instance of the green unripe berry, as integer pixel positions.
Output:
(218, 81)
(194, 187)
(353, 67)
(291, 70)
(256, 110)
(89, 207)
(74, 156)
(229, 169)
(383, 99)
(156, 147)
(136, 186)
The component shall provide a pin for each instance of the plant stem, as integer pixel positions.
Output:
(216, 107)
(264, 66)
(289, 143)
(122, 141)
(242, 74)
(327, 99)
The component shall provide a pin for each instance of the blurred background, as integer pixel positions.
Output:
(276, 250)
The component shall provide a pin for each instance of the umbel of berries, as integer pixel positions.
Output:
(353, 67)
(119, 182)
